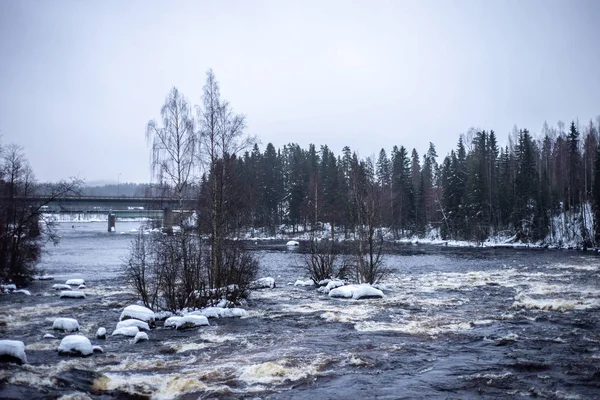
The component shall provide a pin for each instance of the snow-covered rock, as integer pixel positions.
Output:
(140, 336)
(191, 321)
(138, 312)
(75, 282)
(141, 325)
(356, 292)
(263, 283)
(61, 286)
(220, 312)
(75, 345)
(23, 291)
(66, 324)
(49, 336)
(45, 278)
(292, 243)
(72, 294)
(80, 287)
(97, 349)
(9, 287)
(330, 284)
(127, 331)
(171, 322)
(300, 282)
(12, 351)
(101, 333)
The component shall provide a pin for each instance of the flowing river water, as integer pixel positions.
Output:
(454, 323)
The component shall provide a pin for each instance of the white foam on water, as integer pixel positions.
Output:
(278, 372)
(555, 304)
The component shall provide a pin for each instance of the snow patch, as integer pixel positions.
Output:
(292, 243)
(191, 321)
(263, 283)
(220, 312)
(101, 333)
(130, 331)
(61, 286)
(300, 282)
(75, 282)
(140, 336)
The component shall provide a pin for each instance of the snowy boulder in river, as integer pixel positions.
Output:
(61, 286)
(138, 312)
(292, 243)
(191, 321)
(171, 322)
(263, 283)
(140, 336)
(300, 282)
(141, 325)
(356, 292)
(12, 351)
(80, 287)
(75, 345)
(329, 284)
(127, 331)
(75, 282)
(23, 291)
(66, 324)
(219, 312)
(71, 294)
(101, 333)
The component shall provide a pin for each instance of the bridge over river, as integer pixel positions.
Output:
(117, 207)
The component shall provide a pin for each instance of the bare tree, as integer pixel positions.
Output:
(23, 227)
(222, 137)
(174, 155)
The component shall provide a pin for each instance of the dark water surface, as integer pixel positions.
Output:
(454, 323)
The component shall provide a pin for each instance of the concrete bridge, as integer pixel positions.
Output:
(120, 207)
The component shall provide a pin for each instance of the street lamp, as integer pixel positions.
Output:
(118, 176)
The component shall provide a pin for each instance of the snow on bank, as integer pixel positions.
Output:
(75, 345)
(13, 351)
(356, 292)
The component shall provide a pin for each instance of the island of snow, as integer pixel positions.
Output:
(356, 292)
(12, 351)
(66, 324)
(75, 345)
(138, 312)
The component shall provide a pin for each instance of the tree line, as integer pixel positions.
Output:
(478, 190)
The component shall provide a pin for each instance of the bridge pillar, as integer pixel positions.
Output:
(167, 221)
(111, 222)
(34, 227)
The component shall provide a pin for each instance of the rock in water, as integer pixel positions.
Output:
(75, 282)
(101, 333)
(191, 321)
(75, 345)
(140, 336)
(66, 324)
(12, 351)
(72, 294)
(138, 312)
(141, 325)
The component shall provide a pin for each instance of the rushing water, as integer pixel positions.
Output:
(454, 323)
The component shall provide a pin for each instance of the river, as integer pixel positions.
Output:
(454, 323)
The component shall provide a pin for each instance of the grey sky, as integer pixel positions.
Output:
(80, 79)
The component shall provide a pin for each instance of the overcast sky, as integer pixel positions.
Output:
(79, 80)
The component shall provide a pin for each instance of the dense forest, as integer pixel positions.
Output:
(478, 190)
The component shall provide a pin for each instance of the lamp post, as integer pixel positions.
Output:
(118, 176)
